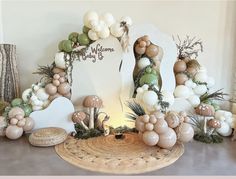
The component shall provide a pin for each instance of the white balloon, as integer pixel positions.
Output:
(194, 85)
(150, 98)
(36, 87)
(26, 94)
(59, 60)
(145, 87)
(116, 30)
(200, 89)
(89, 17)
(37, 108)
(108, 19)
(194, 100)
(210, 82)
(168, 97)
(33, 97)
(143, 62)
(104, 33)
(201, 77)
(42, 95)
(37, 103)
(93, 35)
(182, 91)
(139, 90)
(189, 83)
(126, 19)
(94, 23)
(225, 129)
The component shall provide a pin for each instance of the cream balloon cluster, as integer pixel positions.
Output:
(18, 123)
(102, 26)
(195, 87)
(164, 130)
(36, 96)
(149, 98)
(227, 122)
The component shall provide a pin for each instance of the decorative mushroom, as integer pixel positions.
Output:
(205, 110)
(78, 117)
(105, 125)
(213, 124)
(92, 102)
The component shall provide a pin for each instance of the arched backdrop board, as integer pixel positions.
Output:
(112, 80)
(166, 68)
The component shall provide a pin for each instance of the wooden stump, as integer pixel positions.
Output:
(9, 77)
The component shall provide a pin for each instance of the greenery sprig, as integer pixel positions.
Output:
(137, 110)
(217, 95)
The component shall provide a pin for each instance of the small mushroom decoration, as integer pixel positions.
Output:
(213, 124)
(105, 125)
(205, 110)
(92, 102)
(79, 117)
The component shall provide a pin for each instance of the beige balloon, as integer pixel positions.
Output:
(167, 139)
(172, 118)
(185, 132)
(29, 124)
(14, 132)
(16, 111)
(161, 126)
(150, 138)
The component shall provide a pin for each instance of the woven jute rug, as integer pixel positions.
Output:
(117, 156)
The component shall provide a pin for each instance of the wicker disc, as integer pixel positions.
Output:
(46, 137)
(118, 156)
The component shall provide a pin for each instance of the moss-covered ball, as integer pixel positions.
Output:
(16, 102)
(85, 29)
(73, 36)
(83, 39)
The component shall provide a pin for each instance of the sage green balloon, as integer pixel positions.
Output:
(73, 36)
(16, 102)
(60, 45)
(83, 39)
(85, 29)
(148, 70)
(27, 109)
(149, 79)
(67, 46)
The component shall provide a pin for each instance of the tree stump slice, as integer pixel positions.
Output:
(9, 76)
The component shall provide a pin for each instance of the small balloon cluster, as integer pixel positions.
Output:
(16, 120)
(146, 76)
(164, 130)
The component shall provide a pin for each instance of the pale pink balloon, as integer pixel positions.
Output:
(161, 126)
(185, 132)
(167, 139)
(14, 132)
(29, 124)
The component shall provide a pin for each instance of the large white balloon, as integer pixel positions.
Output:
(59, 60)
(42, 95)
(194, 100)
(168, 97)
(210, 82)
(104, 33)
(225, 129)
(201, 77)
(143, 62)
(126, 19)
(116, 30)
(89, 17)
(182, 91)
(26, 94)
(200, 89)
(93, 35)
(150, 98)
(108, 19)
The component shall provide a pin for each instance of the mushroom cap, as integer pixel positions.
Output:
(205, 110)
(78, 116)
(214, 123)
(92, 101)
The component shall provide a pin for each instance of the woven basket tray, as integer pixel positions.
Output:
(117, 156)
(46, 137)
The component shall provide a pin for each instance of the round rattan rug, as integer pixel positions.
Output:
(117, 156)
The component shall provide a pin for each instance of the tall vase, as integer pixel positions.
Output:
(9, 76)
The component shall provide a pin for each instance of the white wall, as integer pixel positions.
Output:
(37, 27)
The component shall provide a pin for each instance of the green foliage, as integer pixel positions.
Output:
(122, 129)
(82, 133)
(217, 95)
(136, 108)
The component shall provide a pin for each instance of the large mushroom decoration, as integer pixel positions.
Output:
(93, 103)
(79, 117)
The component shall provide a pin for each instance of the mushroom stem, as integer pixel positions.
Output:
(205, 125)
(82, 123)
(91, 118)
